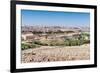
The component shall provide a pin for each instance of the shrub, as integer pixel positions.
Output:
(28, 46)
(34, 45)
(37, 42)
(25, 46)
(72, 42)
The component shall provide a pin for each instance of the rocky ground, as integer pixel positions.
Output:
(56, 53)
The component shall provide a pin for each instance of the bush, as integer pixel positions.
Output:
(86, 41)
(56, 43)
(37, 42)
(25, 46)
(28, 46)
(72, 42)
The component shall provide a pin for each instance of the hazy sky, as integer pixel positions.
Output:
(53, 18)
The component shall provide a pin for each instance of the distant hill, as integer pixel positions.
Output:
(54, 28)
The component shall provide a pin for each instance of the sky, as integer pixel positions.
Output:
(54, 18)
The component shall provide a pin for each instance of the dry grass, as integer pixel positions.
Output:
(56, 53)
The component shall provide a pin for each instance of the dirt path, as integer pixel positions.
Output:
(56, 53)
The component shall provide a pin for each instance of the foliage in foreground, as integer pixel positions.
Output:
(74, 41)
(28, 46)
